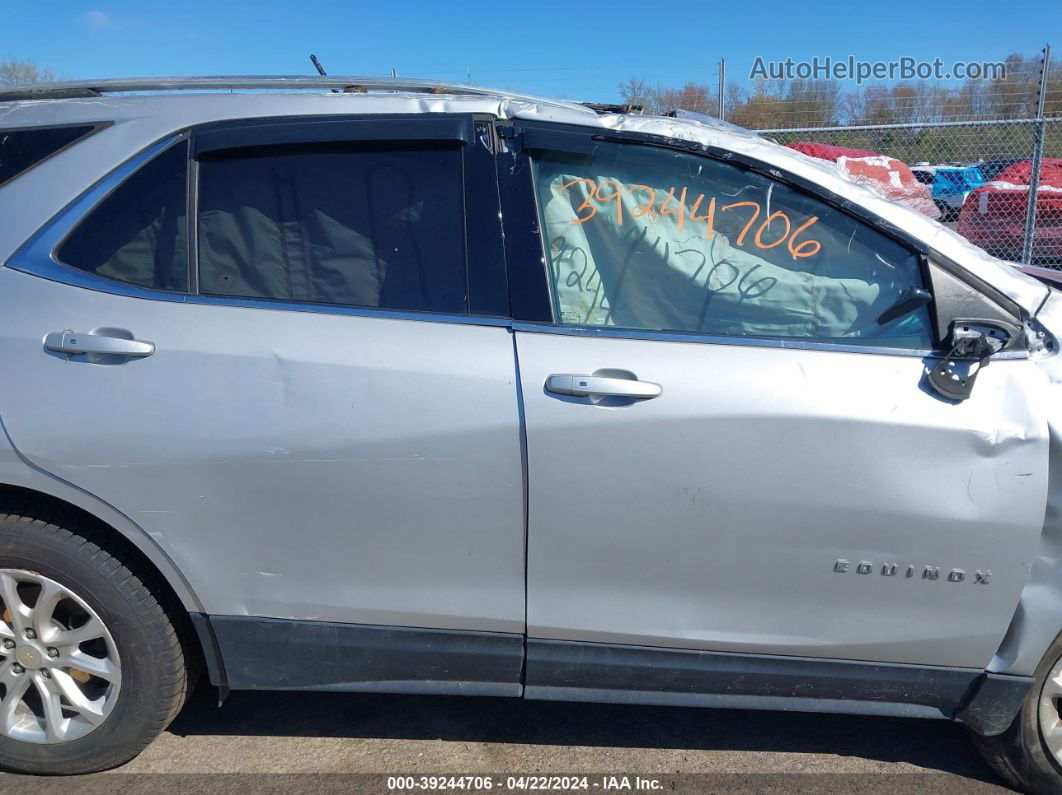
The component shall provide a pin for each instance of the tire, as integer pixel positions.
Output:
(1021, 755)
(146, 678)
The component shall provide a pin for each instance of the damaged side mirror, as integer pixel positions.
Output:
(972, 343)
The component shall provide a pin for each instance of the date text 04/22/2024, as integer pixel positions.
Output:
(534, 783)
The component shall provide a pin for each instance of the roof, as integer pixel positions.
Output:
(72, 89)
(169, 103)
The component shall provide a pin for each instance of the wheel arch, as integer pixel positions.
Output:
(113, 531)
(1037, 620)
(111, 526)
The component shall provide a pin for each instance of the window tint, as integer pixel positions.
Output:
(20, 150)
(376, 226)
(138, 233)
(647, 238)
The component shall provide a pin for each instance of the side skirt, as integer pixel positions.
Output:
(251, 653)
(574, 671)
(278, 654)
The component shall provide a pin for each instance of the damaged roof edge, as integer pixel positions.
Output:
(1022, 288)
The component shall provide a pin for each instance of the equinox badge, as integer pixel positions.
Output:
(981, 576)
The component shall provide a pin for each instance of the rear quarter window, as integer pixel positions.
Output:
(138, 234)
(22, 149)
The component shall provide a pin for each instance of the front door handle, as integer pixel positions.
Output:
(73, 343)
(586, 385)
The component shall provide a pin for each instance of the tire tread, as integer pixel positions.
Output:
(176, 666)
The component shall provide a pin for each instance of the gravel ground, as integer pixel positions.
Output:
(283, 742)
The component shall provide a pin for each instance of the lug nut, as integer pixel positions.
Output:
(9, 644)
(53, 652)
(17, 668)
(31, 634)
(46, 673)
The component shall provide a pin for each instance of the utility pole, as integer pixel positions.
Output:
(1037, 158)
(722, 88)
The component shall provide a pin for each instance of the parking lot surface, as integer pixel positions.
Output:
(280, 742)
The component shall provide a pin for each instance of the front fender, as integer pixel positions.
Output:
(1038, 617)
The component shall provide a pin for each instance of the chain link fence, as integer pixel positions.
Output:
(973, 175)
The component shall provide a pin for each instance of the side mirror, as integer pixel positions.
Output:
(973, 342)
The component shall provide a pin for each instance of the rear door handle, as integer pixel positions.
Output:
(586, 385)
(73, 343)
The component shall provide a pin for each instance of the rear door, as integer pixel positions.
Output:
(727, 449)
(315, 413)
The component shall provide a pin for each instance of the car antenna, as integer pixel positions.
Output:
(320, 69)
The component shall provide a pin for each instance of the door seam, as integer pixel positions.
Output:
(526, 493)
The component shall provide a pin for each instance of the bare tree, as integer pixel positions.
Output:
(735, 95)
(763, 109)
(813, 102)
(779, 104)
(692, 96)
(1015, 95)
(14, 71)
(1053, 105)
(635, 91)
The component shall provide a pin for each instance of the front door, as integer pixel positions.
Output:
(729, 451)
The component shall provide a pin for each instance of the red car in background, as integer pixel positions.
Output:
(885, 175)
(993, 216)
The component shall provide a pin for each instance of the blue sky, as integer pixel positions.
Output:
(574, 49)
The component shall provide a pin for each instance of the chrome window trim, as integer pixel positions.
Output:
(748, 342)
(64, 274)
(37, 254)
(352, 311)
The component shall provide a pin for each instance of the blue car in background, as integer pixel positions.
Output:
(949, 185)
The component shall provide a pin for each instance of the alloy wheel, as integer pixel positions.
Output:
(1051, 710)
(59, 669)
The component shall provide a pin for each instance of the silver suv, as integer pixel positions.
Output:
(360, 385)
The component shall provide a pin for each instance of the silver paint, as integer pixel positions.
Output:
(702, 518)
(291, 464)
(698, 519)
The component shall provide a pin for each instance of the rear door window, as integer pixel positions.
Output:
(353, 224)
